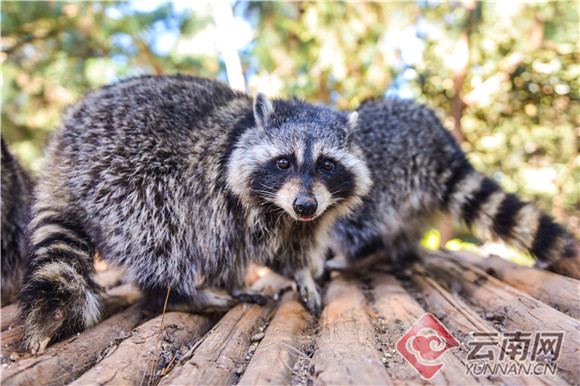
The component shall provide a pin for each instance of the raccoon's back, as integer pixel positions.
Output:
(418, 169)
(408, 150)
(145, 153)
(154, 116)
(141, 127)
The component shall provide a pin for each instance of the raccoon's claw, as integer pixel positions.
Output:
(212, 300)
(39, 347)
(311, 299)
(308, 291)
(336, 265)
(249, 296)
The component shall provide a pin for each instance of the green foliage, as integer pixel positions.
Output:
(53, 52)
(515, 99)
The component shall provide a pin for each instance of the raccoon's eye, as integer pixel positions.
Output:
(328, 165)
(283, 163)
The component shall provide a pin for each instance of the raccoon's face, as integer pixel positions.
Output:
(299, 160)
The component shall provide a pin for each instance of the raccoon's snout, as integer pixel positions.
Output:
(305, 206)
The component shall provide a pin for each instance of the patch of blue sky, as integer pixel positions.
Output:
(120, 59)
(145, 6)
(113, 12)
(148, 6)
(164, 36)
(400, 89)
(123, 41)
(410, 45)
(410, 74)
(222, 75)
(428, 3)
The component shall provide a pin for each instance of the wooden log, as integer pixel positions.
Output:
(560, 292)
(346, 348)
(215, 358)
(66, 360)
(12, 341)
(567, 267)
(218, 354)
(463, 321)
(398, 312)
(276, 354)
(140, 357)
(10, 317)
(520, 311)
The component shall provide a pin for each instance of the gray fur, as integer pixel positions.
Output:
(419, 172)
(164, 176)
(16, 197)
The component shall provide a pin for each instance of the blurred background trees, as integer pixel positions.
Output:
(503, 76)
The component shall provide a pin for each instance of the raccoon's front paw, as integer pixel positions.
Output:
(53, 310)
(308, 291)
(246, 295)
(311, 298)
(39, 347)
(212, 300)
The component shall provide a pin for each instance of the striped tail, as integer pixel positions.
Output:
(58, 297)
(495, 214)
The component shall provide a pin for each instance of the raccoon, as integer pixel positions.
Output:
(184, 182)
(16, 197)
(419, 172)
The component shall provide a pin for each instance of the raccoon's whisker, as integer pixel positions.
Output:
(337, 189)
(268, 188)
(339, 205)
(279, 218)
(266, 194)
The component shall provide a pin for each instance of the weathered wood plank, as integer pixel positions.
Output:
(399, 311)
(560, 292)
(132, 361)
(462, 320)
(12, 340)
(347, 352)
(521, 311)
(276, 354)
(66, 360)
(216, 356)
(567, 267)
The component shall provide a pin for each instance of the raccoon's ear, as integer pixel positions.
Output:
(262, 109)
(352, 118)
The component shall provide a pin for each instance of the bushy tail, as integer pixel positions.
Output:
(58, 297)
(495, 214)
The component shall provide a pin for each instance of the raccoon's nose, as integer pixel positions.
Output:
(304, 205)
